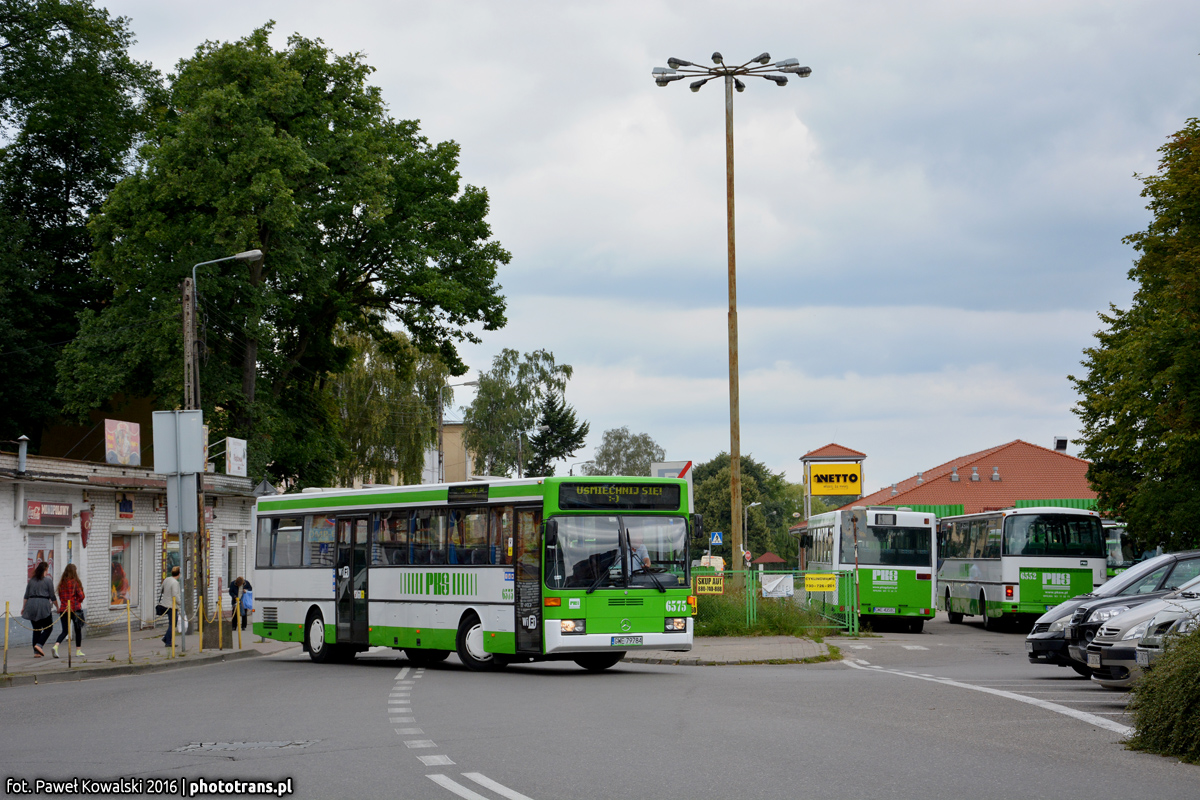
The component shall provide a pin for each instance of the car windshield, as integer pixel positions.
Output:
(890, 546)
(598, 552)
(1053, 535)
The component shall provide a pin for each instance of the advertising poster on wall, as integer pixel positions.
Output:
(122, 442)
(41, 548)
(124, 505)
(235, 457)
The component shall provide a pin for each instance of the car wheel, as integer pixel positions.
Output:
(599, 662)
(469, 645)
(319, 650)
(954, 617)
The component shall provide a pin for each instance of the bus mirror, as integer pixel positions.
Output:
(698, 526)
(552, 533)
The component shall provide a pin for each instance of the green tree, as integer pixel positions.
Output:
(72, 105)
(362, 221)
(383, 404)
(506, 406)
(624, 453)
(559, 435)
(1140, 398)
(767, 524)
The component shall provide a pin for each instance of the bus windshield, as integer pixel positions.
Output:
(898, 547)
(609, 551)
(1053, 535)
(1120, 549)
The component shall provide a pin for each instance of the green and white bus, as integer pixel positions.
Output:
(536, 569)
(1019, 561)
(893, 550)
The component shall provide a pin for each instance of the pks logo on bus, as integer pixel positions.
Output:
(1056, 579)
(885, 575)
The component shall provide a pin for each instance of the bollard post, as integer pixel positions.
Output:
(5, 637)
(70, 632)
(172, 622)
(203, 605)
(238, 619)
(129, 631)
(220, 625)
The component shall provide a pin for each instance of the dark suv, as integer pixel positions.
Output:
(1047, 643)
(1174, 570)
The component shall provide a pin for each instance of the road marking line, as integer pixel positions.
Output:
(1082, 716)
(400, 694)
(859, 646)
(498, 788)
(435, 761)
(914, 647)
(400, 675)
(859, 660)
(409, 731)
(419, 744)
(926, 675)
(395, 720)
(447, 782)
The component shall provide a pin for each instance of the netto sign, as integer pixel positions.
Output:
(836, 479)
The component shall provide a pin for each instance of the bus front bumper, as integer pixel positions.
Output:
(558, 642)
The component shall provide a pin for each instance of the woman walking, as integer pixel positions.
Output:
(39, 607)
(70, 600)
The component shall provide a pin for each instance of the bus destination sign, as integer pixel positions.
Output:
(467, 493)
(629, 496)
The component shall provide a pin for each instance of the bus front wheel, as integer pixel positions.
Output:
(418, 656)
(319, 650)
(599, 662)
(469, 645)
(954, 617)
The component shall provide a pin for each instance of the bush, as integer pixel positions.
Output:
(725, 615)
(1166, 702)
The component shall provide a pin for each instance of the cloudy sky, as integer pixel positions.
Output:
(926, 227)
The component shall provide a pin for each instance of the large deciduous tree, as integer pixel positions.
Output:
(1140, 398)
(72, 106)
(362, 221)
(767, 524)
(506, 407)
(622, 452)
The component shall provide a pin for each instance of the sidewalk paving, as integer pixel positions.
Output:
(108, 655)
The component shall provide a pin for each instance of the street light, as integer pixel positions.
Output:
(191, 360)
(676, 70)
(441, 467)
(520, 436)
(576, 464)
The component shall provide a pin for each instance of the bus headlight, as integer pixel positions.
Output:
(675, 624)
(571, 626)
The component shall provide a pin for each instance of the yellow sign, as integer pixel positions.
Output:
(710, 584)
(820, 583)
(835, 479)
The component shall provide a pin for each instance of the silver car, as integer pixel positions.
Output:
(1181, 617)
(1112, 655)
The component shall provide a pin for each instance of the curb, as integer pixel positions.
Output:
(33, 679)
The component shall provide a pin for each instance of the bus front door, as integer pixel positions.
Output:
(527, 565)
(352, 580)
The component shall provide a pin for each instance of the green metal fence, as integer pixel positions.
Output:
(838, 609)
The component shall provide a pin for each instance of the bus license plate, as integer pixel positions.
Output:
(626, 641)
(879, 610)
(1093, 660)
(1143, 658)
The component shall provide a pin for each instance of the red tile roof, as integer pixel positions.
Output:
(833, 451)
(1027, 472)
(768, 558)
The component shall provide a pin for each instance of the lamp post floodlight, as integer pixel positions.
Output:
(762, 67)
(441, 469)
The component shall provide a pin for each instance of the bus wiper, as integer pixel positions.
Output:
(646, 570)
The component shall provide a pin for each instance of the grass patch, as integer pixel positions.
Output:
(725, 615)
(1166, 703)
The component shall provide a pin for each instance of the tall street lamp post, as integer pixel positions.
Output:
(676, 70)
(441, 467)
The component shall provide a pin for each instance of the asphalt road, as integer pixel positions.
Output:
(910, 722)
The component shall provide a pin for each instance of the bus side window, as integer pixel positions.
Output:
(264, 543)
(500, 533)
(318, 541)
(992, 532)
(391, 545)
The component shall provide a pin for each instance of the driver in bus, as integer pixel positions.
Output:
(639, 556)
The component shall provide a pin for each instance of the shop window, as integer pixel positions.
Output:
(123, 586)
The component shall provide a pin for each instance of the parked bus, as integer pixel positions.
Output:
(893, 550)
(581, 569)
(1000, 564)
(1121, 555)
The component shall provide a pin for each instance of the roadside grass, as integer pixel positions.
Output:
(1166, 703)
(725, 615)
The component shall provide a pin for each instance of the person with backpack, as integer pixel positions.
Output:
(243, 598)
(70, 600)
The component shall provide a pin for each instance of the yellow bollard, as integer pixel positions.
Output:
(203, 605)
(174, 627)
(220, 625)
(5, 637)
(238, 619)
(129, 631)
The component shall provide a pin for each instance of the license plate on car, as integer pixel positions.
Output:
(879, 610)
(626, 641)
(1028, 647)
(1143, 659)
(1093, 660)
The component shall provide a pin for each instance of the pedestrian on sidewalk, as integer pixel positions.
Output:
(170, 590)
(39, 607)
(70, 600)
(243, 598)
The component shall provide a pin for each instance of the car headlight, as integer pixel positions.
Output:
(1105, 614)
(1136, 632)
(1186, 625)
(571, 626)
(675, 624)
(1059, 624)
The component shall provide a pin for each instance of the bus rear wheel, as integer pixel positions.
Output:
(319, 650)
(989, 623)
(469, 645)
(916, 625)
(954, 617)
(598, 662)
